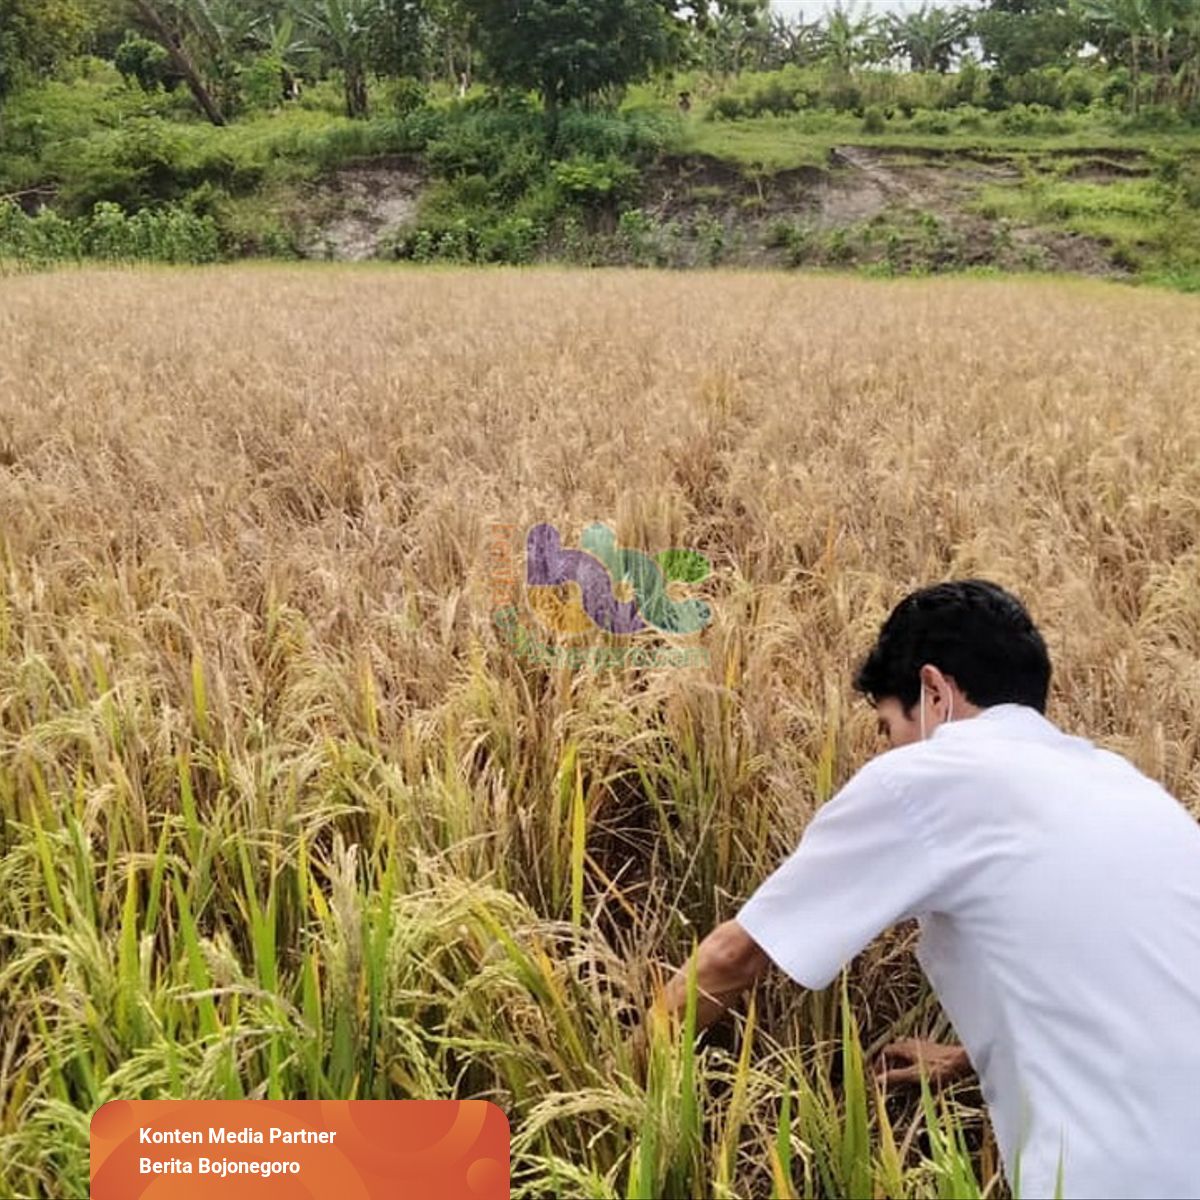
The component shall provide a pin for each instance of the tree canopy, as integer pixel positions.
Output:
(569, 49)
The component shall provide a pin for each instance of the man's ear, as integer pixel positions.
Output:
(937, 684)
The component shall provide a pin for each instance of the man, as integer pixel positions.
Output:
(1058, 892)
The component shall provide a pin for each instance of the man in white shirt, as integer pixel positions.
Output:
(1057, 889)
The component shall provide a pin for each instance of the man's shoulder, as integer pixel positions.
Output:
(889, 772)
(892, 767)
(924, 772)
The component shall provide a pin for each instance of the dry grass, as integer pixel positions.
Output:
(260, 736)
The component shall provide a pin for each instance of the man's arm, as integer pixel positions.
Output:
(728, 961)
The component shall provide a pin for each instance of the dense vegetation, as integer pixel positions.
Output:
(186, 130)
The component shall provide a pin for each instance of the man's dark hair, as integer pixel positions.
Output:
(971, 630)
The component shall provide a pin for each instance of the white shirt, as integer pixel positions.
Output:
(1058, 891)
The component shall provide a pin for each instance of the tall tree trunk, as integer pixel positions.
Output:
(183, 64)
(550, 101)
(1137, 74)
(356, 90)
(1189, 79)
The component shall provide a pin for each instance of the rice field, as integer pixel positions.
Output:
(283, 814)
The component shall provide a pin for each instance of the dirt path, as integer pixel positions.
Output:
(874, 171)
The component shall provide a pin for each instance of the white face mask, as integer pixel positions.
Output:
(949, 715)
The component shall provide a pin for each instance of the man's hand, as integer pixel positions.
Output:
(728, 961)
(902, 1062)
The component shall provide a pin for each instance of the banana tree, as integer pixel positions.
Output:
(793, 41)
(279, 43)
(1165, 24)
(1187, 77)
(229, 32)
(848, 39)
(928, 37)
(728, 29)
(1127, 20)
(342, 30)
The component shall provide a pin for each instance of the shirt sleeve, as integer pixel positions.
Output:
(861, 866)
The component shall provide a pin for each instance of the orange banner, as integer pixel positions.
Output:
(299, 1150)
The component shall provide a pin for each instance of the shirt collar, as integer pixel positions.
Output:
(1002, 720)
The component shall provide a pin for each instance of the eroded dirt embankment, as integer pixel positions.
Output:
(353, 213)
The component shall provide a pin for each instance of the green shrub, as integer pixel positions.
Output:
(172, 234)
(324, 96)
(1117, 87)
(354, 139)
(726, 108)
(970, 84)
(248, 229)
(844, 95)
(839, 248)
(1043, 85)
(418, 128)
(144, 62)
(936, 123)
(1175, 180)
(637, 233)
(793, 239)
(521, 166)
(711, 233)
(577, 245)
(1002, 236)
(502, 146)
(459, 242)
(1025, 119)
(513, 239)
(43, 238)
(909, 90)
(1034, 257)
(488, 157)
(778, 234)
(590, 181)
(56, 114)
(996, 99)
(873, 120)
(1126, 258)
(261, 82)
(1080, 87)
(138, 163)
(772, 96)
(405, 95)
(1017, 120)
(636, 136)
(1166, 167)
(1152, 118)
(788, 90)
(542, 203)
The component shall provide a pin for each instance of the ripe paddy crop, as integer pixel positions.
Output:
(281, 812)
